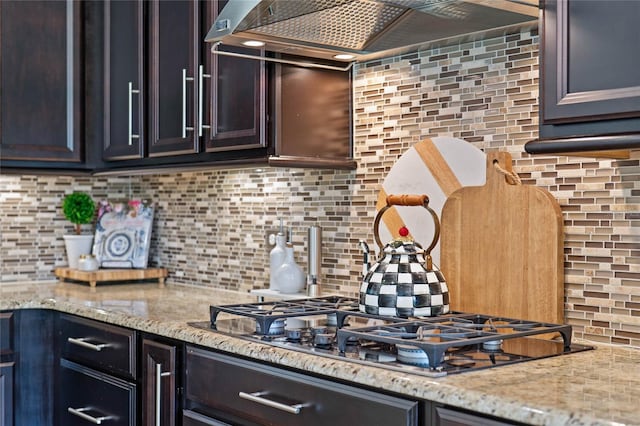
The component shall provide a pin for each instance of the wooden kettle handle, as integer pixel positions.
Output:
(407, 200)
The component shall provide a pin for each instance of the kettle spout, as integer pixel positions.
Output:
(365, 261)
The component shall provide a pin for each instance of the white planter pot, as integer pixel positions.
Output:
(76, 246)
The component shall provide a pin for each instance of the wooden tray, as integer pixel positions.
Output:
(104, 275)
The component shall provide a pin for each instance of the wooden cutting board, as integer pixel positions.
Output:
(501, 248)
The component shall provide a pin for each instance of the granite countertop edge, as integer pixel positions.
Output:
(440, 390)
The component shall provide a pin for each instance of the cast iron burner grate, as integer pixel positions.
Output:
(452, 343)
(265, 313)
(437, 335)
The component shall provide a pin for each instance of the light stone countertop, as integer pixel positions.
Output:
(599, 387)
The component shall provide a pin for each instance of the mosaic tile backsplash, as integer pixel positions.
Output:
(210, 226)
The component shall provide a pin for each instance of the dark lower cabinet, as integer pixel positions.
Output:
(41, 79)
(55, 382)
(191, 418)
(160, 380)
(35, 373)
(6, 393)
(91, 397)
(451, 417)
(224, 389)
(7, 366)
(97, 370)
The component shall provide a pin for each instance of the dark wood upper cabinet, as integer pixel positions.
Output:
(317, 124)
(589, 82)
(126, 84)
(124, 79)
(41, 81)
(234, 109)
(174, 46)
(590, 70)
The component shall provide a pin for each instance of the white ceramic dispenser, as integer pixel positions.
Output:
(277, 257)
(289, 276)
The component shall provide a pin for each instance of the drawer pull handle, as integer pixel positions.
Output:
(159, 376)
(83, 342)
(184, 103)
(130, 134)
(257, 397)
(80, 413)
(201, 77)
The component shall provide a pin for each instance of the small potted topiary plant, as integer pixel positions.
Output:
(79, 209)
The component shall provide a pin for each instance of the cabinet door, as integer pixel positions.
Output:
(124, 79)
(590, 74)
(234, 115)
(159, 384)
(174, 43)
(35, 386)
(312, 113)
(41, 80)
(6, 394)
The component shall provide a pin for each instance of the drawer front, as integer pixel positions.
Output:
(268, 395)
(447, 417)
(6, 332)
(191, 418)
(89, 397)
(98, 345)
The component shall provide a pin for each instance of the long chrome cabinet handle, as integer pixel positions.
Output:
(201, 77)
(82, 342)
(131, 136)
(257, 397)
(159, 376)
(80, 413)
(184, 102)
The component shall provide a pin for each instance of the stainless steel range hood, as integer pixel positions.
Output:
(365, 29)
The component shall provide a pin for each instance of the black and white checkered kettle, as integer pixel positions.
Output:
(404, 282)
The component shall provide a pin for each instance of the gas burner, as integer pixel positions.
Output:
(276, 328)
(412, 355)
(294, 334)
(376, 356)
(492, 345)
(323, 340)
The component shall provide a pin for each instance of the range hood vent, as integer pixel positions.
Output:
(365, 29)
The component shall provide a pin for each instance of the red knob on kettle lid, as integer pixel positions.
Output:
(403, 231)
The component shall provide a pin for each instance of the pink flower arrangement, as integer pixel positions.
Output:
(103, 207)
(132, 208)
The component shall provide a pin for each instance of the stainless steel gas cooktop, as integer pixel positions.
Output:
(333, 327)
